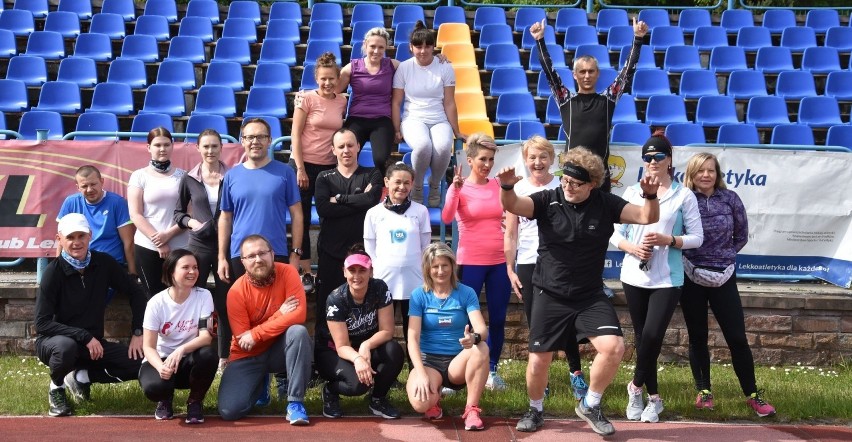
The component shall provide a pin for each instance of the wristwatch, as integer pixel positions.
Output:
(137, 332)
(672, 244)
(477, 338)
(296, 250)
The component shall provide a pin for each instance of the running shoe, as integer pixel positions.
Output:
(381, 406)
(761, 407)
(472, 421)
(330, 403)
(58, 403)
(579, 385)
(595, 418)
(652, 411)
(164, 411)
(80, 391)
(704, 400)
(435, 412)
(264, 399)
(531, 421)
(635, 404)
(495, 382)
(194, 412)
(296, 413)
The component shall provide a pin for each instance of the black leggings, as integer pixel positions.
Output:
(572, 349)
(150, 268)
(385, 359)
(728, 310)
(195, 372)
(329, 277)
(401, 306)
(650, 311)
(307, 195)
(379, 132)
(208, 263)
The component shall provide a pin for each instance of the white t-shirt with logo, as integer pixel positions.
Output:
(528, 228)
(400, 241)
(175, 323)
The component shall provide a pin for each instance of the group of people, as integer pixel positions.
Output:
(376, 260)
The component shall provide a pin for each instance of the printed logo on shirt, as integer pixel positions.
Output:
(445, 321)
(432, 310)
(165, 330)
(332, 309)
(106, 212)
(398, 236)
(388, 296)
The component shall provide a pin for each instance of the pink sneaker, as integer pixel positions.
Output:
(760, 406)
(704, 400)
(472, 421)
(435, 412)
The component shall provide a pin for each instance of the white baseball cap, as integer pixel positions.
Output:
(73, 222)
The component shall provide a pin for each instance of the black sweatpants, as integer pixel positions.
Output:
(208, 262)
(64, 355)
(385, 359)
(195, 372)
(650, 311)
(150, 268)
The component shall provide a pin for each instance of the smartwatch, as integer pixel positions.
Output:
(296, 250)
(137, 332)
(477, 338)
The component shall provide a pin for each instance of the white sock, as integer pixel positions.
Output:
(538, 405)
(593, 398)
(82, 376)
(54, 386)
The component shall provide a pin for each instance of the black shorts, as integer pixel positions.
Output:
(441, 363)
(554, 320)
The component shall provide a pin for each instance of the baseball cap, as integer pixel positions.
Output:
(358, 259)
(73, 222)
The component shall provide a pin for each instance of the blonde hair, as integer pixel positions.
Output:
(538, 142)
(478, 141)
(694, 165)
(434, 251)
(375, 32)
(580, 156)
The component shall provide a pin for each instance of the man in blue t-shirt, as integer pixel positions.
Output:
(107, 214)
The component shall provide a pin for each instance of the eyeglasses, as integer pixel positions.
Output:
(573, 184)
(659, 156)
(254, 256)
(251, 138)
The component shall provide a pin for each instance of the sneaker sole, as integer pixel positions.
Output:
(299, 422)
(380, 414)
(194, 421)
(331, 416)
(651, 421)
(63, 414)
(765, 414)
(529, 430)
(434, 418)
(594, 428)
(474, 428)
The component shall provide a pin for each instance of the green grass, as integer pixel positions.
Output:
(799, 393)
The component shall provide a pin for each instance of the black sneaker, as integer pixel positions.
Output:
(308, 283)
(330, 403)
(164, 411)
(58, 403)
(194, 412)
(531, 421)
(381, 406)
(594, 416)
(80, 391)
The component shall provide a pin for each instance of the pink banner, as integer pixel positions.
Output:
(35, 177)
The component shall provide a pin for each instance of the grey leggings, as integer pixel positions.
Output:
(431, 148)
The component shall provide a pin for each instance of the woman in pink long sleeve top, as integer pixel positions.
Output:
(475, 203)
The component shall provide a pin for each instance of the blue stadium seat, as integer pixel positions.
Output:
(225, 73)
(798, 39)
(180, 73)
(716, 111)
(266, 101)
(198, 123)
(308, 80)
(567, 17)
(360, 29)
(772, 60)
(32, 70)
(663, 110)
(598, 51)
(78, 70)
(821, 19)
(143, 123)
(166, 8)
(67, 24)
(491, 34)
(516, 107)
(46, 44)
(752, 38)
(522, 130)
(727, 59)
(93, 46)
(249, 9)
(792, 134)
(405, 13)
(275, 75)
(325, 30)
(839, 38)
(838, 84)
(186, 47)
(326, 11)
(83, 8)
(681, 134)
(738, 133)
(365, 158)
(8, 47)
(767, 111)
(13, 96)
(19, 21)
(195, 26)
(448, 14)
(154, 25)
(37, 120)
(839, 136)
(607, 18)
(654, 18)
(505, 55)
(284, 29)
(109, 24)
(635, 133)
(141, 47)
(366, 12)
(561, 135)
(126, 9)
(129, 71)
(288, 11)
(580, 35)
(735, 19)
(665, 36)
(208, 9)
(552, 115)
(59, 96)
(233, 49)
(245, 29)
(742, 85)
(606, 78)
(164, 99)
(649, 82)
(795, 85)
(625, 110)
(557, 57)
(819, 112)
(708, 37)
(96, 122)
(528, 42)
(508, 80)
(776, 20)
(277, 50)
(216, 100)
(403, 33)
(317, 48)
(681, 58)
(646, 58)
(543, 86)
(525, 17)
(691, 19)
(37, 7)
(618, 37)
(113, 98)
(486, 15)
(821, 60)
(403, 52)
(697, 83)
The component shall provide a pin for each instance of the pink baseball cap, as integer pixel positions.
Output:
(358, 259)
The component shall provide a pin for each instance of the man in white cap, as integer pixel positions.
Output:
(69, 321)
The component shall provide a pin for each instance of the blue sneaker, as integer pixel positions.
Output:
(579, 385)
(296, 414)
(264, 398)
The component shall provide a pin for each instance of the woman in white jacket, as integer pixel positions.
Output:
(652, 271)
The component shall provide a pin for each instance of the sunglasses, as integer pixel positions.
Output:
(659, 156)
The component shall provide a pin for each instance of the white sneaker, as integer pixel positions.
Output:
(635, 404)
(495, 382)
(652, 411)
(446, 391)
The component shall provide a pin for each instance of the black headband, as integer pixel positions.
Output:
(575, 171)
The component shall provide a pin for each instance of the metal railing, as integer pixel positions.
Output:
(590, 6)
(514, 5)
(117, 135)
(743, 5)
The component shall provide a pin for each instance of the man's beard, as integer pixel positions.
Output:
(262, 276)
